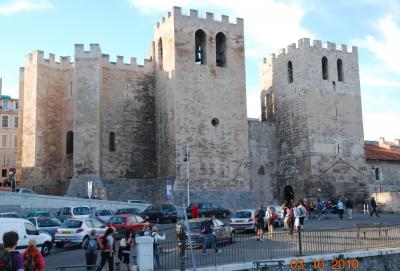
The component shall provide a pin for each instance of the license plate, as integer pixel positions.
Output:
(239, 221)
(67, 232)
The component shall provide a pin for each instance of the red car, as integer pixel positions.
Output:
(125, 222)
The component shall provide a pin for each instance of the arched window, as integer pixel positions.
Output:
(377, 174)
(160, 54)
(200, 47)
(290, 71)
(112, 142)
(340, 70)
(70, 142)
(324, 68)
(220, 49)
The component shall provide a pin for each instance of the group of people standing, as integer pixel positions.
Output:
(265, 219)
(12, 260)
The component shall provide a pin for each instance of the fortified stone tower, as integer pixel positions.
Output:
(313, 95)
(201, 102)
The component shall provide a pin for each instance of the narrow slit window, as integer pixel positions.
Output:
(290, 71)
(112, 142)
(324, 68)
(377, 174)
(70, 142)
(160, 55)
(200, 47)
(220, 50)
(340, 69)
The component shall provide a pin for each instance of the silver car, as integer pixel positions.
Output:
(102, 214)
(243, 220)
(49, 225)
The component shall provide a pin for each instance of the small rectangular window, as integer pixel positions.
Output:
(15, 121)
(4, 160)
(16, 104)
(5, 104)
(15, 141)
(4, 173)
(4, 121)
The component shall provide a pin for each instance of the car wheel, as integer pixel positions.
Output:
(46, 248)
(60, 245)
(232, 238)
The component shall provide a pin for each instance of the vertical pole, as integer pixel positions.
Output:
(188, 174)
(187, 226)
(300, 248)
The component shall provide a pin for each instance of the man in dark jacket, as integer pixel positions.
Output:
(373, 206)
(207, 231)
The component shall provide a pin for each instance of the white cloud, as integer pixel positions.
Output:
(23, 5)
(385, 48)
(369, 80)
(269, 24)
(381, 124)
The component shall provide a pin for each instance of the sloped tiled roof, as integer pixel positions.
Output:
(379, 153)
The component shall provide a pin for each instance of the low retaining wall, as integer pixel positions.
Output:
(388, 201)
(23, 203)
(380, 259)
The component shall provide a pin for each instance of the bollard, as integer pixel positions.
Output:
(145, 258)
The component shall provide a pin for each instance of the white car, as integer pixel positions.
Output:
(243, 220)
(26, 231)
(24, 191)
(76, 231)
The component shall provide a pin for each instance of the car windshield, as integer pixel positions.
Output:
(117, 220)
(81, 211)
(70, 224)
(48, 222)
(10, 215)
(241, 214)
(104, 212)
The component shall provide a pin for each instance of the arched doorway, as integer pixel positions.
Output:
(288, 193)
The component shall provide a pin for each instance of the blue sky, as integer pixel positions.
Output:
(125, 27)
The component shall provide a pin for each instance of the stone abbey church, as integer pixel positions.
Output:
(126, 126)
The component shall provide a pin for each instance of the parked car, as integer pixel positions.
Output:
(139, 204)
(208, 209)
(73, 212)
(46, 224)
(180, 212)
(26, 232)
(102, 214)
(243, 220)
(38, 214)
(123, 223)
(161, 213)
(24, 191)
(10, 215)
(128, 211)
(222, 232)
(77, 230)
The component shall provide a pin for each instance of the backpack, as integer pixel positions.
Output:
(103, 242)
(180, 231)
(91, 246)
(274, 216)
(31, 263)
(5, 260)
(300, 211)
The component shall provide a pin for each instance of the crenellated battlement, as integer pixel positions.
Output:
(37, 57)
(94, 51)
(194, 14)
(120, 64)
(316, 44)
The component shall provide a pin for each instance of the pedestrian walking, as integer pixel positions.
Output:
(156, 245)
(106, 243)
(195, 211)
(206, 230)
(297, 214)
(10, 259)
(33, 259)
(124, 251)
(349, 208)
(272, 216)
(303, 213)
(260, 222)
(91, 246)
(340, 206)
(373, 206)
(291, 220)
(182, 238)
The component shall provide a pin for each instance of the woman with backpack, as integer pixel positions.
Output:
(91, 246)
(124, 251)
(260, 222)
(106, 243)
(33, 259)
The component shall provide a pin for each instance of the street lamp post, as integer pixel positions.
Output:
(186, 159)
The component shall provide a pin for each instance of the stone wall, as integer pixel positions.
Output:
(388, 201)
(262, 148)
(389, 175)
